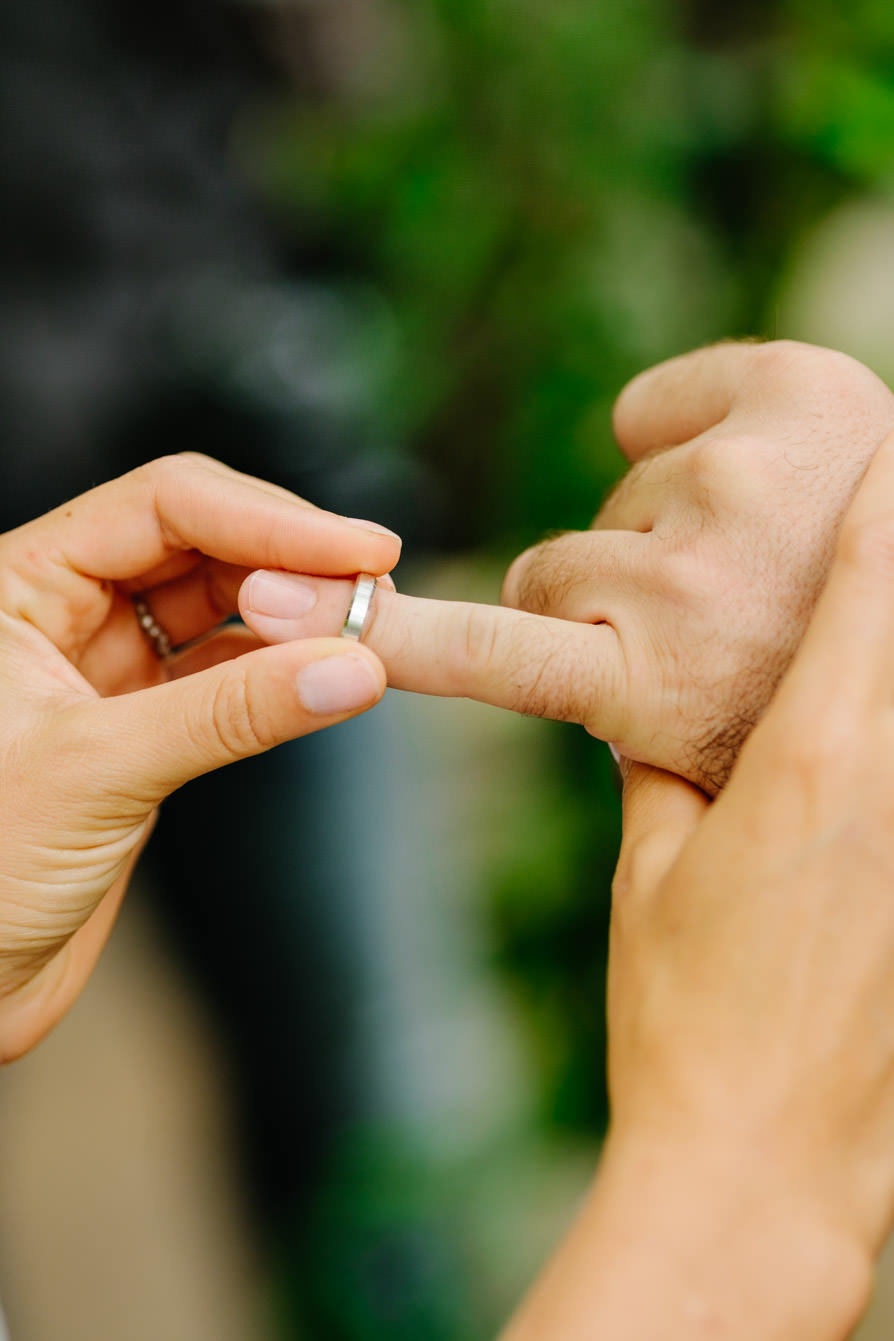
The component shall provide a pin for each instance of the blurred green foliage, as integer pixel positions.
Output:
(550, 197)
(517, 191)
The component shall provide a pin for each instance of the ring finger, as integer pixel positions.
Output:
(193, 604)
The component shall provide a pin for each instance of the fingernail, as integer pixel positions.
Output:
(279, 595)
(337, 684)
(370, 526)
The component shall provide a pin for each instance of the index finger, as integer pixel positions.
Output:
(130, 526)
(527, 663)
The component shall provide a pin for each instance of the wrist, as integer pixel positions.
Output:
(734, 1249)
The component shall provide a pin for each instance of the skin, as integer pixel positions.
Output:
(748, 1181)
(667, 626)
(95, 731)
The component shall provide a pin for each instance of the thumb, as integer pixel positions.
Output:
(660, 813)
(176, 731)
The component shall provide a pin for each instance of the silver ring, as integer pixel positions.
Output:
(358, 610)
(157, 636)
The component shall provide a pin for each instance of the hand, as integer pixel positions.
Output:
(95, 730)
(748, 1179)
(708, 557)
(666, 628)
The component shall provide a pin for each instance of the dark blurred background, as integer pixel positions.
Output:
(400, 256)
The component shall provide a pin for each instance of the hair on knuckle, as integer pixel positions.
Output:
(548, 572)
(541, 587)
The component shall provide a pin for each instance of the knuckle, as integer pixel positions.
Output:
(475, 642)
(239, 724)
(539, 579)
(827, 375)
(532, 664)
(511, 587)
(525, 586)
(776, 357)
(172, 468)
(694, 572)
(724, 471)
(160, 468)
(807, 753)
(192, 458)
(785, 361)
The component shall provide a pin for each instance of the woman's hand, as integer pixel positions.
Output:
(95, 729)
(748, 1180)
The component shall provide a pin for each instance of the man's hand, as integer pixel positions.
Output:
(747, 1185)
(666, 627)
(745, 458)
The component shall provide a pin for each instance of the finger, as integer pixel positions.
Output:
(186, 608)
(526, 663)
(132, 525)
(233, 640)
(179, 730)
(681, 398)
(847, 653)
(121, 656)
(211, 463)
(660, 812)
(200, 600)
(203, 599)
(586, 576)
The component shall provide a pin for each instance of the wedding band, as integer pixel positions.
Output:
(157, 636)
(358, 610)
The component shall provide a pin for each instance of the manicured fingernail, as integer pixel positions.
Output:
(337, 684)
(279, 595)
(370, 526)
